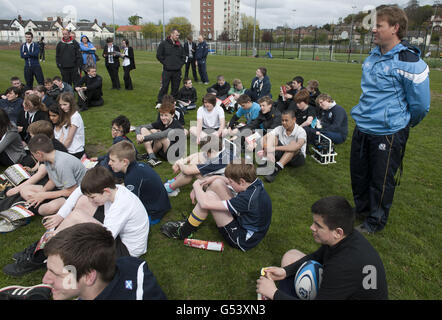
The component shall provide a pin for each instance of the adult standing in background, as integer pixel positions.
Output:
(202, 50)
(171, 54)
(260, 85)
(88, 53)
(68, 58)
(128, 63)
(111, 55)
(42, 44)
(395, 96)
(190, 50)
(29, 51)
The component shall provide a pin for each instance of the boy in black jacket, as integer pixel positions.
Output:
(98, 275)
(221, 87)
(187, 96)
(352, 269)
(92, 89)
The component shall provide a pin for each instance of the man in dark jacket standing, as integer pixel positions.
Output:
(201, 53)
(171, 54)
(29, 51)
(68, 58)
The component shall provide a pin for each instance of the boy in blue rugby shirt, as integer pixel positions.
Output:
(141, 179)
(242, 219)
(99, 274)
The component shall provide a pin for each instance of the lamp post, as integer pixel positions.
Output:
(351, 34)
(254, 31)
(113, 18)
(164, 27)
(293, 31)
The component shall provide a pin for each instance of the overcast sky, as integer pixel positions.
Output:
(270, 13)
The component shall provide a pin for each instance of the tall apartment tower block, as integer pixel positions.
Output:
(214, 18)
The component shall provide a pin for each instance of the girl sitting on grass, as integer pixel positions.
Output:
(72, 121)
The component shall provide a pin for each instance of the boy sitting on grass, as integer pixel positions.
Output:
(39, 170)
(97, 200)
(187, 96)
(65, 174)
(141, 179)
(101, 275)
(284, 145)
(120, 128)
(155, 136)
(242, 219)
(248, 109)
(210, 161)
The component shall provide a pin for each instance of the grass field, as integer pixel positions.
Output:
(410, 245)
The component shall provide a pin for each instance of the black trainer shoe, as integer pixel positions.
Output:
(271, 177)
(25, 264)
(171, 229)
(362, 229)
(38, 292)
(141, 157)
(26, 252)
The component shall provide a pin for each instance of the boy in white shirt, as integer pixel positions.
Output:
(124, 215)
(284, 145)
(209, 117)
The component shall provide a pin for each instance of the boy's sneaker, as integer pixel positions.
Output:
(171, 229)
(23, 265)
(170, 191)
(141, 157)
(29, 250)
(153, 162)
(271, 177)
(38, 292)
(362, 229)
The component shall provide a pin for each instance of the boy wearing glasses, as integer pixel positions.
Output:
(119, 129)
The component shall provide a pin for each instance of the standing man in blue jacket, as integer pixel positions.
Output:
(395, 96)
(29, 51)
(202, 50)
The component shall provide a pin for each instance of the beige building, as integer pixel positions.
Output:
(212, 18)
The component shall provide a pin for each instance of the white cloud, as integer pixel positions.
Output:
(270, 13)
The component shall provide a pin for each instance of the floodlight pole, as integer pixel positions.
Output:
(113, 18)
(254, 29)
(164, 27)
(351, 34)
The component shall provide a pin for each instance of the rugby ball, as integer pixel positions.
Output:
(308, 280)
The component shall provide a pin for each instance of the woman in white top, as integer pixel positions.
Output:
(128, 63)
(73, 134)
(209, 117)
